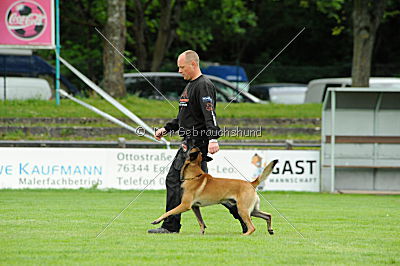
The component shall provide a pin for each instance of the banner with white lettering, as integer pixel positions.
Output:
(146, 168)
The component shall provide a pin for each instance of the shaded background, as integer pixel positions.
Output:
(247, 33)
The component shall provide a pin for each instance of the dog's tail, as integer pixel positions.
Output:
(264, 175)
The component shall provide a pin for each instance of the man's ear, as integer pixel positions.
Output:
(193, 155)
(207, 158)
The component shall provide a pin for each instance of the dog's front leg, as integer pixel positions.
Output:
(177, 210)
(197, 212)
(183, 207)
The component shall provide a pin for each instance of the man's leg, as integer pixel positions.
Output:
(173, 222)
(174, 193)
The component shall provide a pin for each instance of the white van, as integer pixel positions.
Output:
(21, 88)
(317, 88)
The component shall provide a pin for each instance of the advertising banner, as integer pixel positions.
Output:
(139, 169)
(27, 23)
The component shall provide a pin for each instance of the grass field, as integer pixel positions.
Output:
(60, 227)
(20, 135)
(144, 108)
(151, 108)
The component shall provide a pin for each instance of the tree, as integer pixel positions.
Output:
(191, 24)
(166, 31)
(139, 28)
(367, 15)
(224, 31)
(113, 63)
(220, 25)
(154, 25)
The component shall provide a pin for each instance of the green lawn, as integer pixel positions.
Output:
(146, 109)
(151, 109)
(66, 135)
(59, 227)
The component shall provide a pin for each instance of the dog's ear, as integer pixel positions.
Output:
(193, 155)
(207, 158)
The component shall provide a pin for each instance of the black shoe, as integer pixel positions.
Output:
(160, 231)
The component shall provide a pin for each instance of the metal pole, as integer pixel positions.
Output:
(137, 131)
(324, 143)
(333, 108)
(57, 8)
(110, 99)
(376, 125)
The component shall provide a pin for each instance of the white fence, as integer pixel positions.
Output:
(74, 168)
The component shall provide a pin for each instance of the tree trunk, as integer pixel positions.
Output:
(168, 22)
(115, 32)
(164, 34)
(140, 41)
(367, 15)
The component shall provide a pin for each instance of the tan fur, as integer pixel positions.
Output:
(201, 189)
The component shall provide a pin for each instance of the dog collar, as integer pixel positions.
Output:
(193, 177)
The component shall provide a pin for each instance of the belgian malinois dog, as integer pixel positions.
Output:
(201, 189)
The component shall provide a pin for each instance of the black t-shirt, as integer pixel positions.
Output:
(196, 117)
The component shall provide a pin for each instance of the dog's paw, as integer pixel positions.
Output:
(271, 232)
(155, 222)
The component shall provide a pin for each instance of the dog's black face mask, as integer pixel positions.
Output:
(193, 156)
(190, 157)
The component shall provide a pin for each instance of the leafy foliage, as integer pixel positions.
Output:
(245, 32)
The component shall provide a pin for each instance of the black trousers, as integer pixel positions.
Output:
(173, 184)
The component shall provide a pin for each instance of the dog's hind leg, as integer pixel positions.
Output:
(265, 216)
(197, 212)
(246, 202)
(247, 220)
(244, 212)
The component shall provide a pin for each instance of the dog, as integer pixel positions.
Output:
(201, 189)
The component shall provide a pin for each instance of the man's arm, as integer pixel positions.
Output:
(208, 104)
(173, 125)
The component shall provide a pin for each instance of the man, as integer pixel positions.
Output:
(196, 123)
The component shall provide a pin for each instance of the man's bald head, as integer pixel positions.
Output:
(190, 56)
(188, 64)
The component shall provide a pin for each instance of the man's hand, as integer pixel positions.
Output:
(213, 147)
(160, 133)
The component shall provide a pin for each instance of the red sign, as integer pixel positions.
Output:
(27, 23)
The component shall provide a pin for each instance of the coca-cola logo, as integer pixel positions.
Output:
(26, 20)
